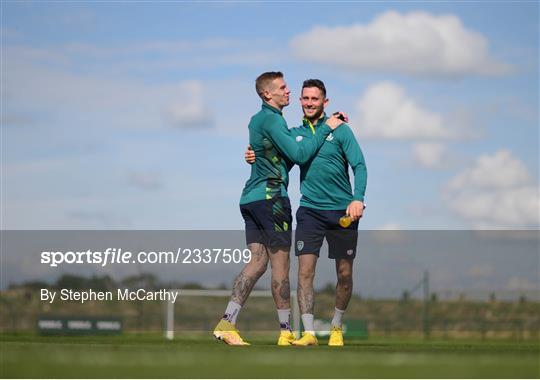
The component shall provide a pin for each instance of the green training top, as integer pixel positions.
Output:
(324, 180)
(274, 144)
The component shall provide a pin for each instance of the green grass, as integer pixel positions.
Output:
(150, 356)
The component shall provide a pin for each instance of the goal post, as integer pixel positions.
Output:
(169, 306)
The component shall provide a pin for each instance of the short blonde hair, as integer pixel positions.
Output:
(263, 81)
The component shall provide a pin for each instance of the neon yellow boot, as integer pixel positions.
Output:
(286, 338)
(307, 339)
(226, 332)
(336, 337)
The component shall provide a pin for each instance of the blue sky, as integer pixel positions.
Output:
(134, 115)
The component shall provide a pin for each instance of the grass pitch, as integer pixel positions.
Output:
(151, 356)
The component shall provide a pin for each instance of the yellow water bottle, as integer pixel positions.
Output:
(345, 221)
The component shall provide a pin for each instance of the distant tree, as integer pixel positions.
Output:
(405, 296)
(71, 281)
(522, 299)
(97, 283)
(141, 281)
(103, 283)
(34, 285)
(434, 297)
(492, 297)
(171, 285)
(329, 288)
(192, 285)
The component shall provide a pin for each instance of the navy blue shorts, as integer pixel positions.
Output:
(314, 225)
(268, 222)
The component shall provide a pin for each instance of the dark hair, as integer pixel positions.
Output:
(263, 80)
(315, 83)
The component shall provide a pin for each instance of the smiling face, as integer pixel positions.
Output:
(313, 103)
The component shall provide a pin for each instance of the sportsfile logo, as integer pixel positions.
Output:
(120, 256)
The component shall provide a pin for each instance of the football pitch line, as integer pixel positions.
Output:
(140, 356)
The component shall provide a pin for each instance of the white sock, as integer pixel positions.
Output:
(231, 312)
(338, 316)
(307, 321)
(284, 316)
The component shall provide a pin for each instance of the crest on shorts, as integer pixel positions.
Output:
(299, 245)
(350, 252)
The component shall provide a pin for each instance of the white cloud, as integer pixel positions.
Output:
(521, 283)
(385, 111)
(146, 180)
(497, 192)
(191, 110)
(105, 219)
(391, 226)
(390, 233)
(416, 43)
(10, 33)
(32, 86)
(482, 270)
(500, 170)
(430, 155)
(147, 57)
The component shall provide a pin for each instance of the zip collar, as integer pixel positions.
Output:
(306, 123)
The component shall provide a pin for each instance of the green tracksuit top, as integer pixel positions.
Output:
(324, 180)
(274, 146)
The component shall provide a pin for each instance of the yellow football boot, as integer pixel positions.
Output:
(336, 337)
(307, 339)
(286, 338)
(226, 332)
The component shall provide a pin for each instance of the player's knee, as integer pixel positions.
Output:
(280, 262)
(345, 279)
(344, 271)
(306, 275)
(262, 265)
(257, 268)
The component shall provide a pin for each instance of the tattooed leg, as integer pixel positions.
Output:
(306, 274)
(281, 289)
(252, 271)
(344, 269)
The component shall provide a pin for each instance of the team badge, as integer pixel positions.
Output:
(300, 245)
(330, 137)
(299, 138)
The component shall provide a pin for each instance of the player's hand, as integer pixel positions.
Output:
(249, 155)
(355, 209)
(341, 115)
(333, 122)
